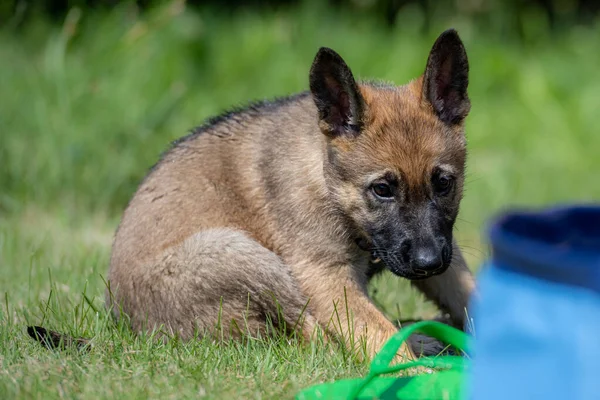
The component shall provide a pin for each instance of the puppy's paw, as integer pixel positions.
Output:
(425, 346)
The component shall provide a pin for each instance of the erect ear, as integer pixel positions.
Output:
(336, 94)
(447, 77)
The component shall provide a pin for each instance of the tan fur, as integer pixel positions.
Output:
(242, 214)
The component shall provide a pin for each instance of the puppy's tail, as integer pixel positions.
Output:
(57, 341)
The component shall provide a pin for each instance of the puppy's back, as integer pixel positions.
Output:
(221, 175)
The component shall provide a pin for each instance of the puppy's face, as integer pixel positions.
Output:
(396, 156)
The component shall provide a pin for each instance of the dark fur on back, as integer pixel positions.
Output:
(256, 107)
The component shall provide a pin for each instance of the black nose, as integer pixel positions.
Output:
(426, 259)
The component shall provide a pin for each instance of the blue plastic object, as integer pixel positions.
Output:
(537, 317)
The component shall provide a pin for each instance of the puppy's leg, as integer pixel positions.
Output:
(452, 289)
(340, 303)
(217, 281)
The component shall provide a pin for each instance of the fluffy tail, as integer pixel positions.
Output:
(56, 341)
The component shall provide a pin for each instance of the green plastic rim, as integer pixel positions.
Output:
(442, 332)
(445, 383)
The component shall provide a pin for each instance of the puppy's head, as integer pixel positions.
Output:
(396, 155)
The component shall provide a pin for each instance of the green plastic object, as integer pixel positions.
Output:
(446, 382)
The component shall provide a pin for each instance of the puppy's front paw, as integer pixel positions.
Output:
(425, 346)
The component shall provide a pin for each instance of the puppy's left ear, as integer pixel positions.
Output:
(446, 79)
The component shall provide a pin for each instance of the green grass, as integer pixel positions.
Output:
(87, 107)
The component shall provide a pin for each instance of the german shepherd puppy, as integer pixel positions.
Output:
(274, 211)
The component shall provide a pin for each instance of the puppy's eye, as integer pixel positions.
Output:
(442, 184)
(382, 190)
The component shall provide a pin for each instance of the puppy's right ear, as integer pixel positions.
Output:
(336, 95)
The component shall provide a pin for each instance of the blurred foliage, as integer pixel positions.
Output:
(89, 102)
(512, 13)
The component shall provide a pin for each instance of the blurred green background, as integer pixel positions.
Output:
(91, 92)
